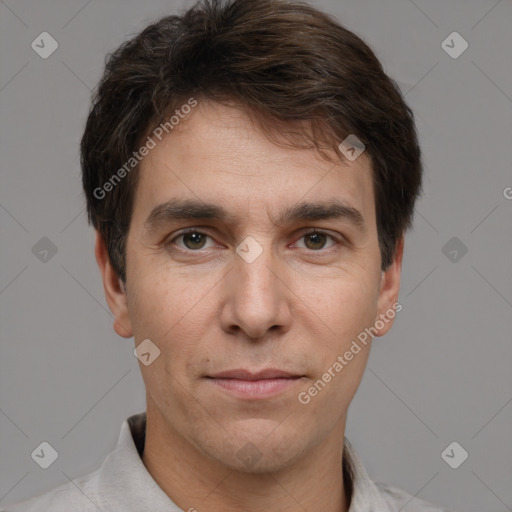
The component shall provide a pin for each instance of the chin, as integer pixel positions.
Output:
(263, 450)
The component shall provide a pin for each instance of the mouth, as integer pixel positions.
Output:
(254, 385)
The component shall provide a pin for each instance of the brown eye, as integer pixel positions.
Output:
(194, 240)
(316, 240)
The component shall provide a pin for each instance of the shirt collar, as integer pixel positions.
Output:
(365, 496)
(139, 490)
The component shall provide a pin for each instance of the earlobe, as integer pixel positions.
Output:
(115, 290)
(121, 330)
(387, 304)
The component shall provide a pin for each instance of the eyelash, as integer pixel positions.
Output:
(311, 232)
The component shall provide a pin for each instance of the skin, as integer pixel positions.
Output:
(297, 307)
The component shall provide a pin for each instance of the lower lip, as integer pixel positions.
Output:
(255, 389)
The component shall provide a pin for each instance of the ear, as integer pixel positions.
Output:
(387, 303)
(114, 289)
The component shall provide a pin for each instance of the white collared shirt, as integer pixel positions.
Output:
(123, 484)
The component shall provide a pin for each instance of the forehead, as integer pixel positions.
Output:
(218, 155)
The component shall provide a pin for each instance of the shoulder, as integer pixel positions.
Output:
(77, 496)
(398, 499)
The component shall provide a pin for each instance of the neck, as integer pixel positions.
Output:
(197, 483)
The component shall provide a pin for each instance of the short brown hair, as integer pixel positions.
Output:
(280, 60)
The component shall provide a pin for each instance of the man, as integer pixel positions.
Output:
(250, 171)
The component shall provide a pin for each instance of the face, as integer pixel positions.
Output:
(251, 308)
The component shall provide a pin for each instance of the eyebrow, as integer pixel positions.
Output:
(176, 209)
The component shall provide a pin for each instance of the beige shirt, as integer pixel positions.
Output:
(123, 484)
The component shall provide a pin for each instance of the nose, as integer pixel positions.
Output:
(257, 296)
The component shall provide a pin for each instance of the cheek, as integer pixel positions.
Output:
(341, 307)
(339, 313)
(173, 313)
(161, 299)
(338, 374)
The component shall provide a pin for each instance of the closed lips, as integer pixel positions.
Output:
(241, 374)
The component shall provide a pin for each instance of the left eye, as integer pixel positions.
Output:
(317, 240)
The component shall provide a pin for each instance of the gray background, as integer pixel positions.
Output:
(443, 374)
